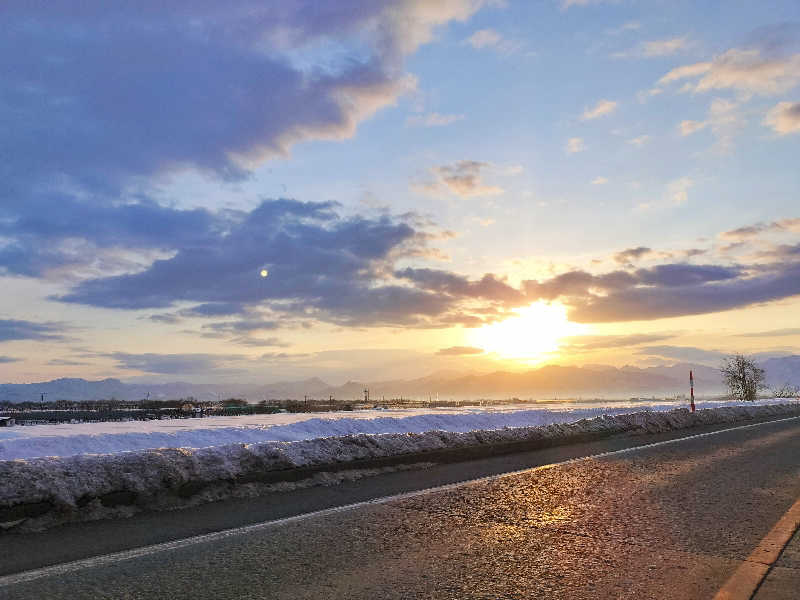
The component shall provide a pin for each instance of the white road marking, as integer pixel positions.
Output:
(116, 557)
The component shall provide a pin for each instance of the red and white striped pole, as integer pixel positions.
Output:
(691, 387)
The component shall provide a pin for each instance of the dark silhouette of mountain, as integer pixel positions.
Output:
(81, 389)
(545, 382)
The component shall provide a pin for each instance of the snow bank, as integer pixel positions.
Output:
(112, 437)
(59, 489)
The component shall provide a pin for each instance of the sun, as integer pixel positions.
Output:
(530, 335)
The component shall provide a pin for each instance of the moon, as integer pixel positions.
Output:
(264, 273)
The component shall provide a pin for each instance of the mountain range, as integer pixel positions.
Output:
(550, 381)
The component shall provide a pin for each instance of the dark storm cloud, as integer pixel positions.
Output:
(488, 287)
(680, 274)
(101, 92)
(98, 100)
(668, 290)
(646, 303)
(661, 291)
(320, 265)
(13, 329)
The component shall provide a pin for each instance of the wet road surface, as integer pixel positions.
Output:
(671, 521)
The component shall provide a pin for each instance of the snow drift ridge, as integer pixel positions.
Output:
(54, 490)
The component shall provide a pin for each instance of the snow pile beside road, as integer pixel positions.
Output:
(112, 437)
(70, 488)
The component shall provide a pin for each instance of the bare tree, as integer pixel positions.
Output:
(743, 377)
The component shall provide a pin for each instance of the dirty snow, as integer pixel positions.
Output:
(113, 437)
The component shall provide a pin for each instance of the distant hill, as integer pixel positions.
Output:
(81, 389)
(545, 382)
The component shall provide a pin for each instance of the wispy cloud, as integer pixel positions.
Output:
(788, 331)
(575, 144)
(685, 71)
(66, 362)
(180, 364)
(678, 190)
(788, 225)
(784, 118)
(656, 48)
(665, 47)
(640, 140)
(15, 329)
(459, 351)
(433, 119)
(689, 127)
(748, 71)
(599, 181)
(724, 118)
(494, 40)
(676, 194)
(590, 343)
(631, 255)
(463, 178)
(565, 4)
(484, 38)
(628, 26)
(602, 108)
(685, 354)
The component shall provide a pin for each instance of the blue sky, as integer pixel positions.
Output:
(617, 180)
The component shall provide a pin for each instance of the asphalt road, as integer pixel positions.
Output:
(783, 580)
(672, 521)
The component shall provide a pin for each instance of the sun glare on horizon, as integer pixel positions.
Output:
(530, 336)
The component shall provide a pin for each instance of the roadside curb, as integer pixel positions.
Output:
(744, 583)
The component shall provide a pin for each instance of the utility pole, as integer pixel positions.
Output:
(41, 401)
(691, 388)
(366, 395)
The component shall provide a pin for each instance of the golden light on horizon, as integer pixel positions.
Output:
(530, 336)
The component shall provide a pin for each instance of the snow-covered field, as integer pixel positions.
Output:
(114, 437)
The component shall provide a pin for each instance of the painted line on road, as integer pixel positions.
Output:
(751, 573)
(117, 557)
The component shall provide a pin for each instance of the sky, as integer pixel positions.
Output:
(264, 191)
